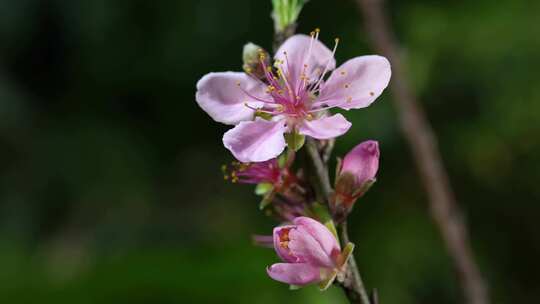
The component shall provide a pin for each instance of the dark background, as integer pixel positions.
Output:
(110, 187)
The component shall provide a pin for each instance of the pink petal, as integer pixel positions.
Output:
(362, 161)
(304, 246)
(356, 83)
(319, 232)
(325, 127)
(298, 54)
(256, 141)
(284, 253)
(219, 95)
(294, 274)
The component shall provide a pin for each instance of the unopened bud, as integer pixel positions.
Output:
(354, 177)
(255, 59)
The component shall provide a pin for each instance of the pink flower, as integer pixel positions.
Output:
(311, 253)
(356, 175)
(293, 97)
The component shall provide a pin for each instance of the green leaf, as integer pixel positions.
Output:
(263, 188)
(286, 12)
(295, 140)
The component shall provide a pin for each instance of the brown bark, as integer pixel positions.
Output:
(423, 144)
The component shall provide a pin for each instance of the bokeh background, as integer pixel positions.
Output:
(110, 184)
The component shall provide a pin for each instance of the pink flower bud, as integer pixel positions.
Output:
(356, 175)
(311, 253)
(362, 162)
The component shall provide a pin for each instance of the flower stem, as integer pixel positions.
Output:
(352, 284)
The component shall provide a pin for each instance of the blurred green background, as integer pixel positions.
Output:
(110, 188)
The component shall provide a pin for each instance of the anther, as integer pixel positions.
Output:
(371, 93)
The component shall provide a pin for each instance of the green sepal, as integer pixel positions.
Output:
(330, 225)
(295, 140)
(364, 188)
(294, 287)
(267, 200)
(324, 284)
(263, 115)
(263, 188)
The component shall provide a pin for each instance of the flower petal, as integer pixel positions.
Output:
(299, 54)
(325, 127)
(356, 83)
(282, 251)
(320, 233)
(218, 95)
(256, 141)
(294, 274)
(304, 246)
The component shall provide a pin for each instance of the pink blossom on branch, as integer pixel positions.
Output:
(293, 97)
(310, 252)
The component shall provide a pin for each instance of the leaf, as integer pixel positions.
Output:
(263, 188)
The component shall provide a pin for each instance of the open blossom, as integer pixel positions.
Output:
(310, 252)
(356, 175)
(293, 96)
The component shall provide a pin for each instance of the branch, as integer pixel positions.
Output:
(423, 144)
(352, 283)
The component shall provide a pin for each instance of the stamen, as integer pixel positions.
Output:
(316, 87)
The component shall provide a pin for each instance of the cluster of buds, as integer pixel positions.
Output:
(283, 190)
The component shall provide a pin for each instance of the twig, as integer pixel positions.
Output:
(423, 144)
(352, 283)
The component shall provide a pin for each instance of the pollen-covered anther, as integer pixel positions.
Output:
(280, 108)
(346, 86)
(238, 83)
(343, 73)
(309, 117)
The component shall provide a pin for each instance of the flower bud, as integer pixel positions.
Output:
(355, 176)
(255, 58)
(310, 253)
